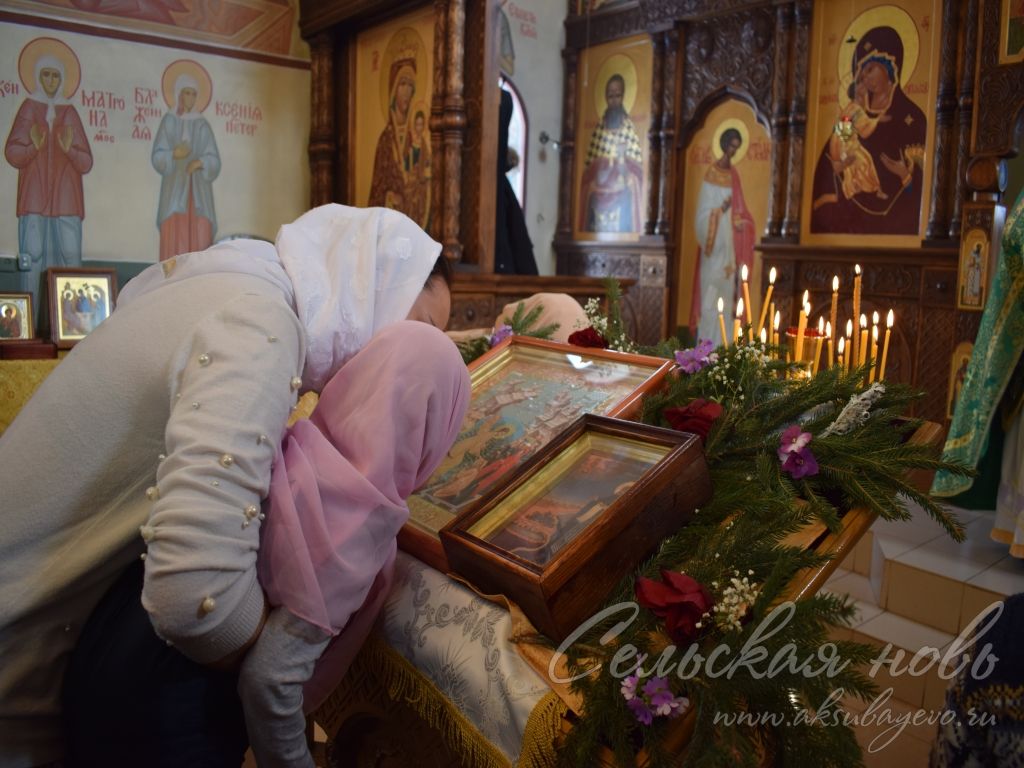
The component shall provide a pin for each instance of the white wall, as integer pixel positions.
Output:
(538, 36)
(264, 177)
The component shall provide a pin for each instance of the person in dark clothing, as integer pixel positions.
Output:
(513, 251)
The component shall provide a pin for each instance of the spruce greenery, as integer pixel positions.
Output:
(754, 507)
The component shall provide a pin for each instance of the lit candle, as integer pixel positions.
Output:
(721, 321)
(856, 308)
(874, 347)
(885, 344)
(842, 351)
(833, 319)
(874, 352)
(737, 325)
(817, 345)
(744, 275)
(775, 327)
(831, 344)
(801, 327)
(863, 344)
(767, 302)
(849, 347)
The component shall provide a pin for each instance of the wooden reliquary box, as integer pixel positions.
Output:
(579, 516)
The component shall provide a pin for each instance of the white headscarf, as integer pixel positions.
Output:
(347, 273)
(354, 270)
(49, 62)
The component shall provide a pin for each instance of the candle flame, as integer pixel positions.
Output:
(849, 327)
(856, 269)
(863, 321)
(807, 298)
(821, 325)
(771, 277)
(807, 309)
(842, 344)
(739, 308)
(721, 305)
(764, 335)
(778, 319)
(874, 333)
(835, 284)
(744, 273)
(828, 329)
(874, 318)
(889, 319)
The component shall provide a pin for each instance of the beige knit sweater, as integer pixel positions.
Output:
(165, 419)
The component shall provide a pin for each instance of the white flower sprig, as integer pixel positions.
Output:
(735, 601)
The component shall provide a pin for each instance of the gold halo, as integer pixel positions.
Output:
(739, 125)
(402, 42)
(879, 16)
(187, 67)
(43, 46)
(616, 64)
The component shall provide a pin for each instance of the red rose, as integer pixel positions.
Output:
(681, 601)
(697, 417)
(588, 337)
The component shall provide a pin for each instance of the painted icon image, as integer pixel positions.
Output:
(186, 157)
(48, 145)
(869, 177)
(612, 185)
(402, 159)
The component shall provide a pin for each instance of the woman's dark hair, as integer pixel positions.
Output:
(442, 268)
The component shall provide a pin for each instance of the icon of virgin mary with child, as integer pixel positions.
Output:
(869, 176)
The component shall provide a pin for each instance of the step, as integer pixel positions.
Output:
(879, 628)
(917, 571)
(944, 583)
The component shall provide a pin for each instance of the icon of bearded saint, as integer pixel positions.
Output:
(401, 163)
(613, 173)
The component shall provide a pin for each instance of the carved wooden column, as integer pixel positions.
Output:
(655, 132)
(567, 151)
(779, 121)
(668, 134)
(797, 119)
(965, 106)
(323, 143)
(945, 112)
(454, 128)
(437, 185)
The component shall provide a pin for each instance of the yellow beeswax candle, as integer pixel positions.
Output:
(721, 321)
(767, 308)
(885, 344)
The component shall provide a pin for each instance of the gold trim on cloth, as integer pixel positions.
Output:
(380, 672)
(19, 379)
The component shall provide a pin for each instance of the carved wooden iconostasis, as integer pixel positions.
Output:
(671, 105)
(405, 114)
(783, 75)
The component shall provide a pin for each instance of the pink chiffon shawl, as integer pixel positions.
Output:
(338, 488)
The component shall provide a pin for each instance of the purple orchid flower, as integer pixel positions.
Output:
(795, 455)
(654, 699)
(501, 333)
(692, 360)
